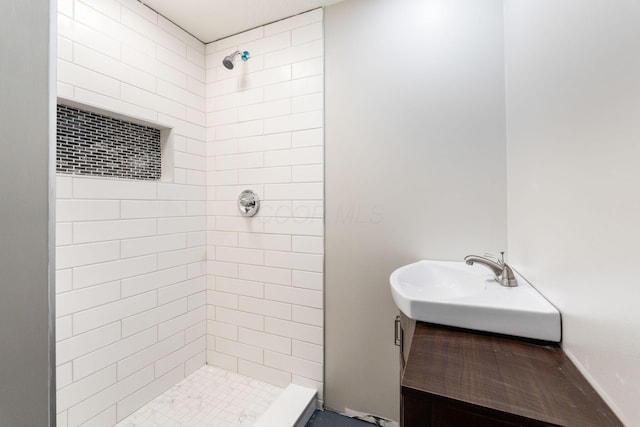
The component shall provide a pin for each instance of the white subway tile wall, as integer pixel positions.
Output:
(156, 278)
(131, 255)
(265, 132)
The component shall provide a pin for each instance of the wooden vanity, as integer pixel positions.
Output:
(460, 378)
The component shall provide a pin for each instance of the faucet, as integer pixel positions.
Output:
(503, 273)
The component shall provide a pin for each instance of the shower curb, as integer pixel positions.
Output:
(292, 408)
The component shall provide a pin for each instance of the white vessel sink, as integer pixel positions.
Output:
(467, 296)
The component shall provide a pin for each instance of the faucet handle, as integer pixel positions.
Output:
(502, 257)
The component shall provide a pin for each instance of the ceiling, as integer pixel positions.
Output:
(210, 20)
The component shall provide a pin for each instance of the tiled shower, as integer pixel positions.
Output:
(156, 278)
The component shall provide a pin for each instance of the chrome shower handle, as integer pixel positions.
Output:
(248, 203)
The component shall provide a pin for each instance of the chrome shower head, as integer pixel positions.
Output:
(229, 60)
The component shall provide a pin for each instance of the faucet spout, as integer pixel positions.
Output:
(487, 262)
(502, 272)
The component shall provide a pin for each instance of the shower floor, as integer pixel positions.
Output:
(209, 397)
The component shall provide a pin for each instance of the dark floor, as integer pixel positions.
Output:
(331, 419)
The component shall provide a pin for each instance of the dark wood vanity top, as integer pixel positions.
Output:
(524, 380)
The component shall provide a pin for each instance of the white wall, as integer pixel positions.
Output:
(415, 168)
(131, 254)
(265, 120)
(573, 131)
(27, 386)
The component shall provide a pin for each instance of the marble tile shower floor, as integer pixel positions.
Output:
(210, 397)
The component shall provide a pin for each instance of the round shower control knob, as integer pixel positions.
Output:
(248, 203)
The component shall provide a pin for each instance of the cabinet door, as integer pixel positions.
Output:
(415, 410)
(443, 415)
(423, 410)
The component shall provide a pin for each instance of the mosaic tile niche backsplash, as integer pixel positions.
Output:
(97, 145)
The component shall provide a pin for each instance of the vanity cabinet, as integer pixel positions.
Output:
(459, 378)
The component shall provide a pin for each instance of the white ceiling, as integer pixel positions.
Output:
(210, 20)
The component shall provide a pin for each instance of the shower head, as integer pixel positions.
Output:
(230, 59)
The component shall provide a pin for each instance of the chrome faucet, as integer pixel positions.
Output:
(503, 273)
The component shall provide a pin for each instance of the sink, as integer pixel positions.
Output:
(467, 296)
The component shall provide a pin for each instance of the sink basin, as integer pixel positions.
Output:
(467, 296)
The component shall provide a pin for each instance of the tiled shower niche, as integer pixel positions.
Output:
(98, 145)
